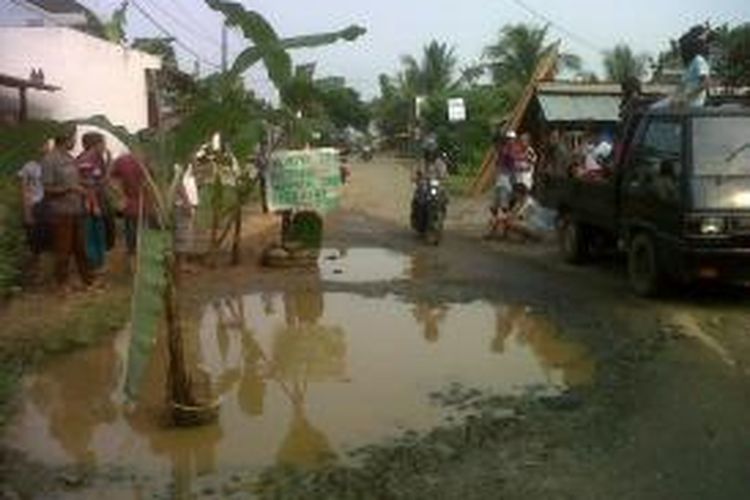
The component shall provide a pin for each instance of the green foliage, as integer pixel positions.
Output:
(732, 48)
(114, 28)
(517, 52)
(729, 57)
(252, 55)
(147, 303)
(621, 64)
(345, 108)
(13, 248)
(257, 30)
(467, 142)
(433, 73)
(306, 228)
(430, 76)
(23, 142)
(393, 112)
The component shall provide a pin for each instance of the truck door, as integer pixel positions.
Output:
(651, 186)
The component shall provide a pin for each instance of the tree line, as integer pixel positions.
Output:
(491, 86)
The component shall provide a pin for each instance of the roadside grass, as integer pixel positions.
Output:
(458, 185)
(37, 328)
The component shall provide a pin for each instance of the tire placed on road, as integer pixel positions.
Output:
(573, 239)
(644, 269)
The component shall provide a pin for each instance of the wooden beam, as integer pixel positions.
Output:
(544, 71)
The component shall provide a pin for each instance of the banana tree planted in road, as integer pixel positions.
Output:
(220, 105)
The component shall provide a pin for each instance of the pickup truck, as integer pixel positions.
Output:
(676, 202)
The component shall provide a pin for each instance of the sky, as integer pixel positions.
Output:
(398, 27)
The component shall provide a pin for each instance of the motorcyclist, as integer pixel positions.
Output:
(433, 167)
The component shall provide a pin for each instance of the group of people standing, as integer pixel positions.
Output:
(514, 210)
(71, 204)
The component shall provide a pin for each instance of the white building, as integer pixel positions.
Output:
(42, 13)
(95, 77)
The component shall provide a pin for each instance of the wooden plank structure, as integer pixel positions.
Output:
(23, 85)
(545, 70)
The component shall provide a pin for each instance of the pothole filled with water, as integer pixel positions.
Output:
(304, 376)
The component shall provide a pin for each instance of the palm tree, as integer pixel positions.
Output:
(517, 52)
(433, 73)
(621, 64)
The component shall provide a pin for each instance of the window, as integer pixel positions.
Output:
(658, 160)
(662, 140)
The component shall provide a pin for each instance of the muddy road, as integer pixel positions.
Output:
(471, 370)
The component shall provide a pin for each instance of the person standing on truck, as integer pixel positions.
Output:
(695, 80)
(693, 88)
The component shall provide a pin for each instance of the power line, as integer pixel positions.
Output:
(571, 34)
(191, 19)
(194, 32)
(166, 32)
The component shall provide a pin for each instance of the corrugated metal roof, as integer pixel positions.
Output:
(600, 88)
(579, 108)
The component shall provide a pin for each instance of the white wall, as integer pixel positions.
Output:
(96, 77)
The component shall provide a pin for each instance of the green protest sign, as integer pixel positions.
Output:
(304, 180)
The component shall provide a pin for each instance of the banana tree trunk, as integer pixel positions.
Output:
(178, 380)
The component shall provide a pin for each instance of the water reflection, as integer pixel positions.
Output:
(303, 376)
(76, 406)
(543, 337)
(302, 352)
(430, 315)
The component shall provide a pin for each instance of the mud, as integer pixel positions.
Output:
(304, 377)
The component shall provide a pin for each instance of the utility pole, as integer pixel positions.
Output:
(224, 47)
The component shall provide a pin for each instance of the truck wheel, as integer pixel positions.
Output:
(573, 241)
(644, 271)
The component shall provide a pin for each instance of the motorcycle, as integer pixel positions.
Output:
(366, 152)
(428, 210)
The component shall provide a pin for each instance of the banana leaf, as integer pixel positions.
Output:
(147, 302)
(250, 56)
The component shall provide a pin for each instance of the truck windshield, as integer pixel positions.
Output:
(721, 159)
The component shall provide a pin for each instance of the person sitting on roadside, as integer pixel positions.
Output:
(526, 217)
(63, 197)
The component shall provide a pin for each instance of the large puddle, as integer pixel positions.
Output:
(304, 376)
